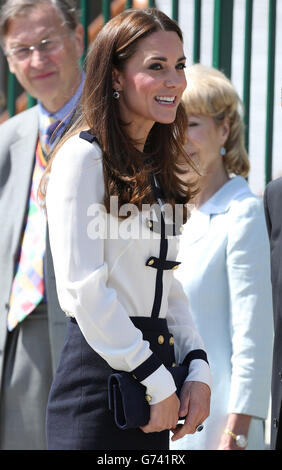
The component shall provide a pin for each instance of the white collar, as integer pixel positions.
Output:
(217, 204)
(221, 200)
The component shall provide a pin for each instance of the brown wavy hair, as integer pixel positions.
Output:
(126, 169)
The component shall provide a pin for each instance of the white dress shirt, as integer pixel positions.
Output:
(225, 273)
(103, 280)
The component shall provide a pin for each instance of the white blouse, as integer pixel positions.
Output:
(101, 273)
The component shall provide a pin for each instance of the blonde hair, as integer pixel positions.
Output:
(210, 93)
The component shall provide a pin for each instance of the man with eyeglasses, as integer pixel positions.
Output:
(43, 43)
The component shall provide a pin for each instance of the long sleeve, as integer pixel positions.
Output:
(248, 268)
(266, 212)
(82, 273)
(187, 338)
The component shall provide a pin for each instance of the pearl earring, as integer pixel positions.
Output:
(116, 95)
(222, 151)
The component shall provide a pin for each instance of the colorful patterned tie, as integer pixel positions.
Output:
(28, 285)
(47, 137)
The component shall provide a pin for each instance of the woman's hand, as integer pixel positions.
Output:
(237, 423)
(195, 405)
(163, 415)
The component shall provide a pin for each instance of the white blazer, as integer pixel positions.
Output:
(225, 273)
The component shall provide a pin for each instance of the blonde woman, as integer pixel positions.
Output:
(225, 268)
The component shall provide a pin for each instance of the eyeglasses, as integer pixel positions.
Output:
(46, 46)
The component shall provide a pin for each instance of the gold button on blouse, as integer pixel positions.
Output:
(173, 364)
(171, 341)
(161, 339)
(176, 267)
(151, 262)
(148, 398)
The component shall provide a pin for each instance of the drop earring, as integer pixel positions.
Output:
(222, 151)
(116, 95)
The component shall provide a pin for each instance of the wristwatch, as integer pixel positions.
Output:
(240, 439)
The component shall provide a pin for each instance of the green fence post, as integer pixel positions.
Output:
(31, 101)
(247, 67)
(11, 96)
(128, 4)
(270, 90)
(106, 10)
(197, 31)
(84, 19)
(175, 10)
(222, 35)
(151, 3)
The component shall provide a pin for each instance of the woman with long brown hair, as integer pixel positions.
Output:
(114, 271)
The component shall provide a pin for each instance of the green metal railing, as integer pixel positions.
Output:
(11, 103)
(270, 90)
(197, 31)
(84, 8)
(106, 9)
(222, 35)
(221, 54)
(247, 66)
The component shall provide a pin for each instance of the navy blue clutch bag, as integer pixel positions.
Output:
(127, 397)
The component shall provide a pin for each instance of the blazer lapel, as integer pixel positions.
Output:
(196, 227)
(22, 161)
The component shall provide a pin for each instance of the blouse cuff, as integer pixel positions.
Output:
(148, 367)
(160, 385)
(199, 371)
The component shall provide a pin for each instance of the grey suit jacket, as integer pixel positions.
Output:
(18, 139)
(272, 205)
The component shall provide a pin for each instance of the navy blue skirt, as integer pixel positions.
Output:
(78, 417)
